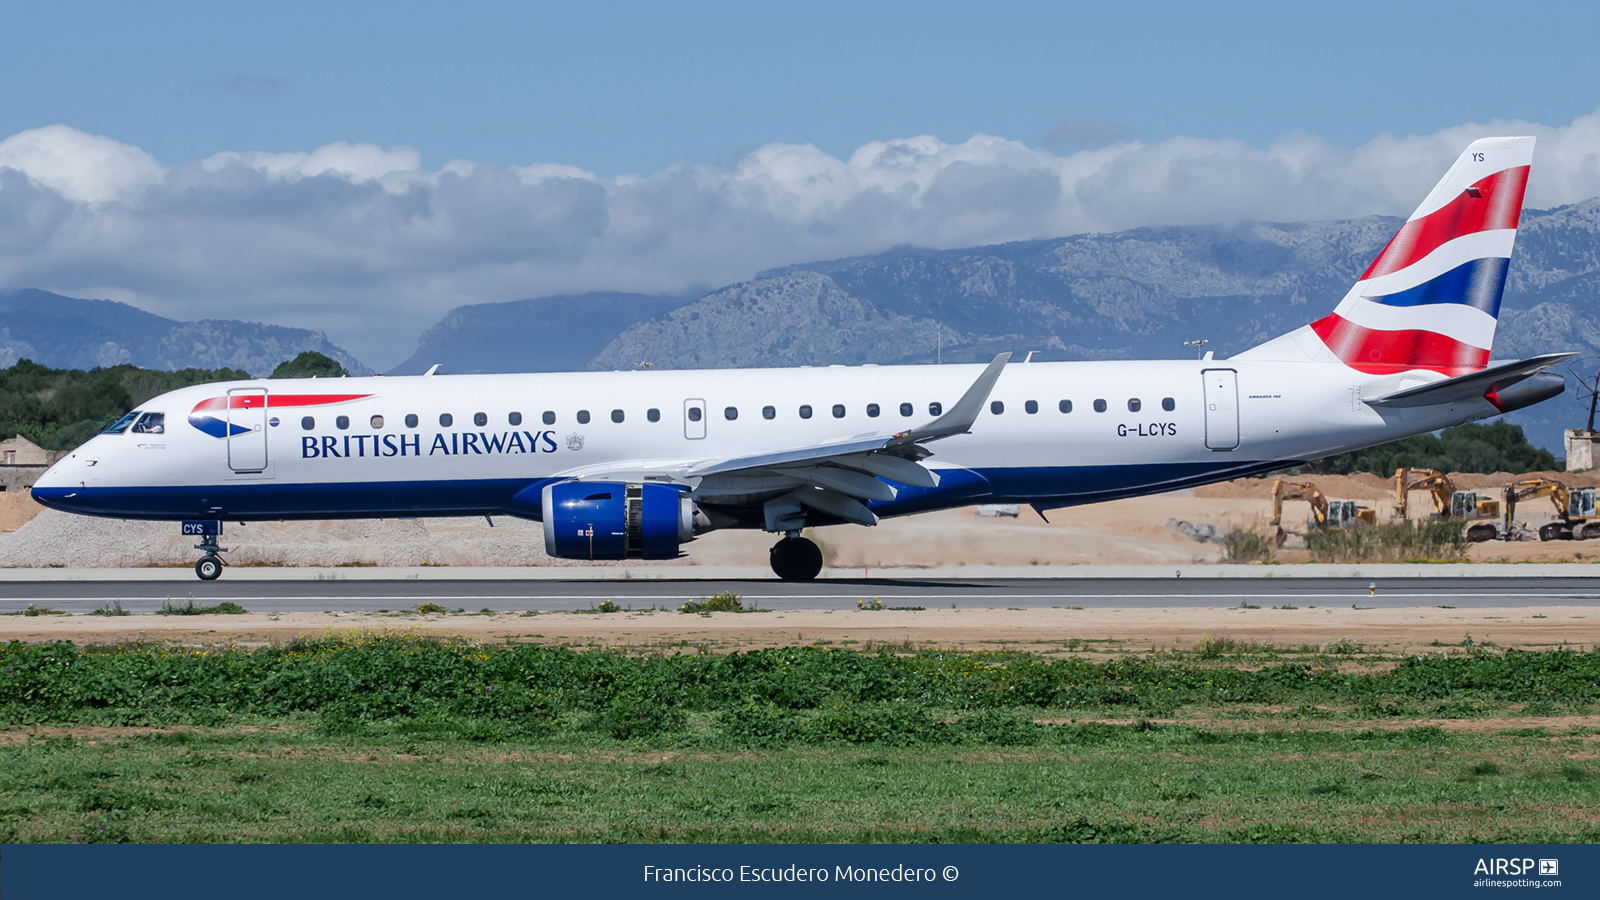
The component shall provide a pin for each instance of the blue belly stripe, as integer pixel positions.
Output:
(1045, 487)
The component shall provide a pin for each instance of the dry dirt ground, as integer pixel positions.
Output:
(1077, 631)
(1122, 532)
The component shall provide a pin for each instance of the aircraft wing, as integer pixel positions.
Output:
(834, 477)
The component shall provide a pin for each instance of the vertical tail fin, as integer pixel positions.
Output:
(1432, 297)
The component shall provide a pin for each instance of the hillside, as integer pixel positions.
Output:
(71, 333)
(548, 334)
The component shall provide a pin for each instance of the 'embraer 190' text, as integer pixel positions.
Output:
(453, 444)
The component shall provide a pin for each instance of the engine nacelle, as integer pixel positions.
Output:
(614, 520)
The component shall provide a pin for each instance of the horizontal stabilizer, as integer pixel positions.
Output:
(1476, 386)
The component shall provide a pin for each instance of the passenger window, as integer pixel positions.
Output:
(549, 417)
(1031, 407)
(1168, 404)
(583, 417)
(377, 421)
(616, 416)
(1099, 406)
(838, 410)
(411, 420)
(731, 413)
(480, 419)
(934, 409)
(1134, 405)
(906, 410)
(769, 412)
(653, 415)
(121, 425)
(515, 418)
(805, 412)
(1065, 406)
(308, 423)
(342, 422)
(872, 410)
(446, 420)
(996, 407)
(151, 423)
(694, 413)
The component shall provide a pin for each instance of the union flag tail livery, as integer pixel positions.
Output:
(635, 465)
(1431, 299)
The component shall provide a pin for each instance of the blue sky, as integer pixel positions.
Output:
(362, 168)
(620, 88)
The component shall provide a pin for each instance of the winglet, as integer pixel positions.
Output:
(432, 369)
(961, 416)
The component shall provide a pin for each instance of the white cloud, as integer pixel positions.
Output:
(83, 168)
(364, 242)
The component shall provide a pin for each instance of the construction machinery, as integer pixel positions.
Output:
(1575, 509)
(1325, 513)
(1448, 501)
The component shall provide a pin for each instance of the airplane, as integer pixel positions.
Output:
(637, 464)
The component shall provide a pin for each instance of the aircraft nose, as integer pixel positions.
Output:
(61, 484)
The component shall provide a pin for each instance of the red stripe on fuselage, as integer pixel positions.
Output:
(1498, 206)
(1381, 352)
(255, 401)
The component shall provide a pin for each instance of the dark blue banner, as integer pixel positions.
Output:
(671, 870)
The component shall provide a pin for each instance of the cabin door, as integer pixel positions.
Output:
(247, 429)
(1222, 408)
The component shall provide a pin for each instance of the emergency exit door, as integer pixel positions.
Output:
(694, 419)
(1222, 408)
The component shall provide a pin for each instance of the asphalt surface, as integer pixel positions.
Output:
(1002, 593)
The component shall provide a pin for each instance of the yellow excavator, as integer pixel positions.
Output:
(1575, 509)
(1325, 513)
(1448, 502)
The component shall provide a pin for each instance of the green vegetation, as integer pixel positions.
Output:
(189, 608)
(1497, 447)
(1429, 540)
(727, 601)
(58, 409)
(309, 364)
(362, 738)
(1243, 545)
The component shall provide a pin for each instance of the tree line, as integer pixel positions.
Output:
(58, 409)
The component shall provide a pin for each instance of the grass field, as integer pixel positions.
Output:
(369, 738)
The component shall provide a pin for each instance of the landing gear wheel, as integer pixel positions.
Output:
(209, 568)
(796, 559)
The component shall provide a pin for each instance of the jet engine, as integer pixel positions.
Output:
(615, 520)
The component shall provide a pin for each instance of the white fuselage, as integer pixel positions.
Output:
(274, 465)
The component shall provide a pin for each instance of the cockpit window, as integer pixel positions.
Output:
(121, 425)
(151, 423)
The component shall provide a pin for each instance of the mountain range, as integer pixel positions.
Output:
(66, 332)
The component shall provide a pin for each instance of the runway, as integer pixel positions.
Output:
(548, 595)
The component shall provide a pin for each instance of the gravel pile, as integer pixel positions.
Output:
(61, 539)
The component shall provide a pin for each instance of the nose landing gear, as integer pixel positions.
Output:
(796, 559)
(209, 568)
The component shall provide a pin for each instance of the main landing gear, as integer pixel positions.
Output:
(209, 568)
(796, 559)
